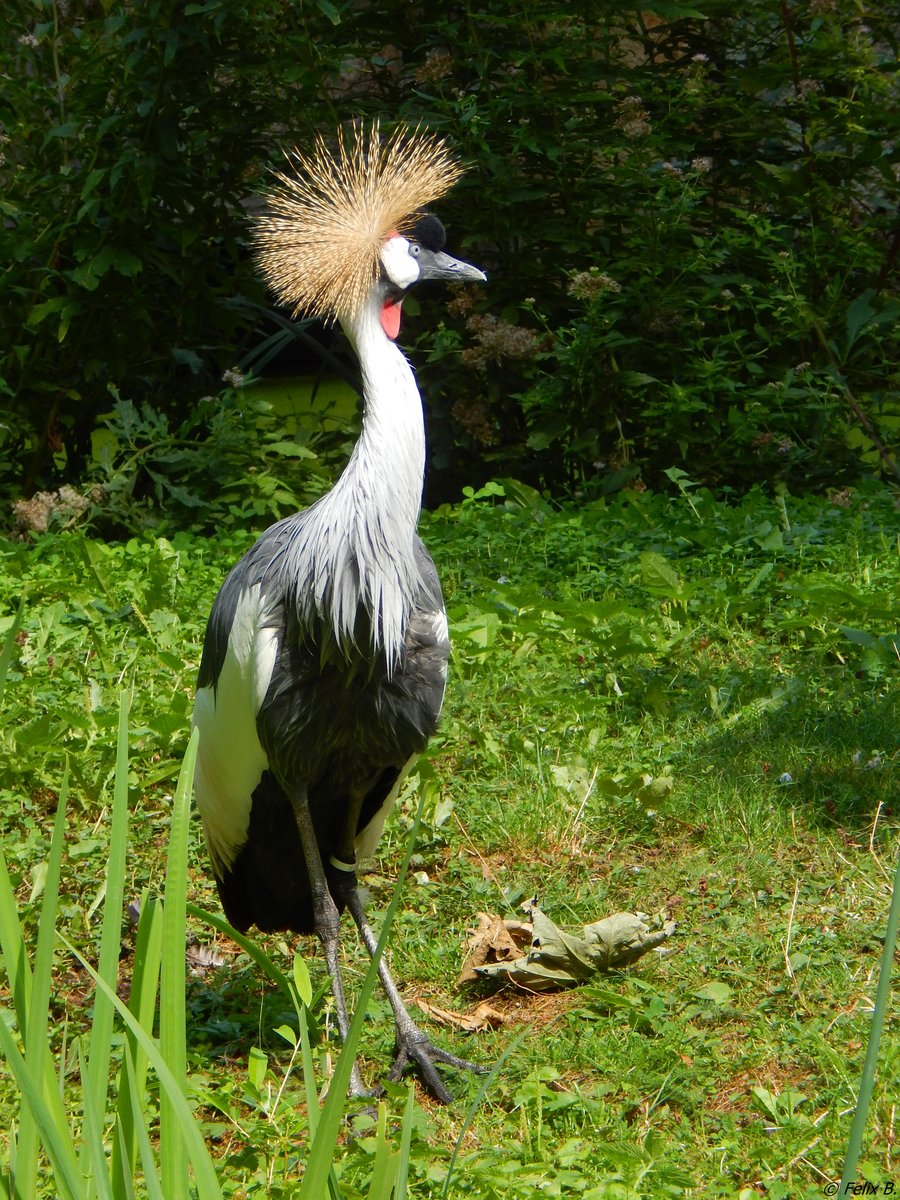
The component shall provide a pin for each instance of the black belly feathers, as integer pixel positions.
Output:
(267, 885)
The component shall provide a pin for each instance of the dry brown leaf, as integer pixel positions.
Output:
(555, 958)
(494, 941)
(483, 1016)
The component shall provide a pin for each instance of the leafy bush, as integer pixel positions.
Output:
(693, 217)
(133, 135)
(228, 463)
(686, 214)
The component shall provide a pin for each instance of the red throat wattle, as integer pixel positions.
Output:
(390, 318)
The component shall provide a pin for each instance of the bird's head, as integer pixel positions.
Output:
(350, 221)
(411, 258)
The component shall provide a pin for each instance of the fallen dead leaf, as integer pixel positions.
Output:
(547, 957)
(483, 1016)
(494, 941)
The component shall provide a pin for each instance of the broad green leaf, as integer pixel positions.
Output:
(717, 992)
(301, 979)
(257, 1065)
(657, 572)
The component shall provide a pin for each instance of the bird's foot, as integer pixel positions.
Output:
(414, 1048)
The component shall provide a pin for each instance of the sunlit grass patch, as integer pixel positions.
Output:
(650, 706)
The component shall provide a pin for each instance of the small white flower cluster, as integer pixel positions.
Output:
(35, 514)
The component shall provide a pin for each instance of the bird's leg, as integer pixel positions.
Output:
(412, 1044)
(326, 919)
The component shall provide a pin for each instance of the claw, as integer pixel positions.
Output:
(412, 1046)
(416, 1048)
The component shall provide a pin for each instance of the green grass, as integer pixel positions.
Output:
(657, 702)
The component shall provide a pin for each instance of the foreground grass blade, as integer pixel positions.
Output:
(134, 1085)
(172, 1147)
(12, 944)
(390, 1169)
(131, 1111)
(9, 645)
(93, 1156)
(56, 1140)
(207, 1184)
(382, 1183)
(406, 1128)
(303, 988)
(867, 1081)
(34, 1033)
(96, 1080)
(321, 1155)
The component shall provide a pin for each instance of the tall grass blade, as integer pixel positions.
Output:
(382, 1182)
(404, 1150)
(12, 946)
(56, 1141)
(34, 1033)
(390, 1169)
(172, 1148)
(134, 1087)
(18, 972)
(132, 1116)
(207, 1184)
(93, 1157)
(96, 1080)
(9, 645)
(867, 1080)
(309, 1076)
(12, 943)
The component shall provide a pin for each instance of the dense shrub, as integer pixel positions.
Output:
(695, 218)
(687, 213)
(134, 133)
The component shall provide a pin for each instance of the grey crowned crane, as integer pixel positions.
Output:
(325, 657)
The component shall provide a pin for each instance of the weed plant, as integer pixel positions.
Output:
(657, 701)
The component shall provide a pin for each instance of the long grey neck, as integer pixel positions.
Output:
(388, 462)
(360, 554)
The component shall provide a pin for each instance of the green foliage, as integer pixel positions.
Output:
(228, 464)
(133, 134)
(686, 213)
(694, 223)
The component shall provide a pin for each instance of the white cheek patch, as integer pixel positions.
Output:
(402, 269)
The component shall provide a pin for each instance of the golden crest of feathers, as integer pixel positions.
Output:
(318, 242)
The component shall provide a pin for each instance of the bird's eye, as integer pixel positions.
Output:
(415, 249)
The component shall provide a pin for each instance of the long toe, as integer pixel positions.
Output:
(417, 1050)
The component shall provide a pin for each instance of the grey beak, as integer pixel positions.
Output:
(438, 265)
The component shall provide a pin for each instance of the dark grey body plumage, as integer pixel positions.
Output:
(334, 718)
